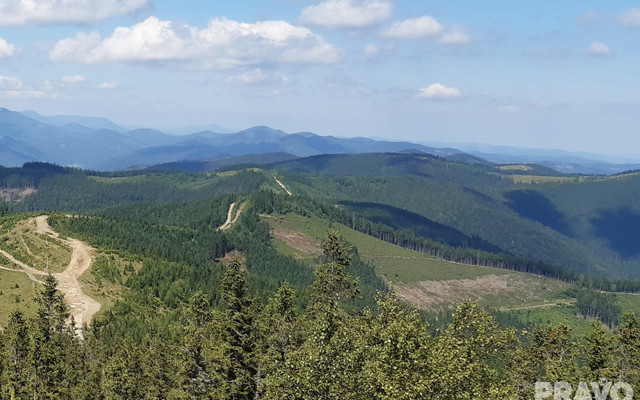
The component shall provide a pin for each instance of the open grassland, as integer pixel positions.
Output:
(629, 302)
(22, 240)
(304, 236)
(515, 167)
(559, 314)
(531, 179)
(426, 282)
(105, 280)
(16, 292)
(118, 179)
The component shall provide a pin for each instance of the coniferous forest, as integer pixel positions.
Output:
(242, 348)
(201, 312)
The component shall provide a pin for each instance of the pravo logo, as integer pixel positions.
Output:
(584, 391)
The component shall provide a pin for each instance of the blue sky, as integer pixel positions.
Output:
(544, 74)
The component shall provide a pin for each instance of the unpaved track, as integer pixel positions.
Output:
(82, 307)
(230, 219)
(283, 186)
(31, 272)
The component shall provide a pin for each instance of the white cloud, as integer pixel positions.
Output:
(415, 28)
(439, 91)
(347, 13)
(73, 79)
(426, 27)
(599, 49)
(456, 36)
(222, 44)
(20, 12)
(9, 83)
(26, 94)
(508, 109)
(631, 17)
(257, 77)
(13, 87)
(6, 49)
(108, 85)
(371, 50)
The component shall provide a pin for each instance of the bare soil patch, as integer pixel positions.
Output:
(295, 239)
(16, 194)
(505, 291)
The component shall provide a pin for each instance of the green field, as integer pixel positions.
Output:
(390, 261)
(17, 292)
(424, 281)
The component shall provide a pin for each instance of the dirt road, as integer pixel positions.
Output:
(283, 186)
(31, 272)
(230, 218)
(82, 307)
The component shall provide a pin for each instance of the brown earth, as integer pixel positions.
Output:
(16, 194)
(82, 307)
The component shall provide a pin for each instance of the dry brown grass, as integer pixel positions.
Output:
(499, 291)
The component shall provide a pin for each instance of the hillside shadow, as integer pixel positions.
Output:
(401, 219)
(533, 205)
(621, 228)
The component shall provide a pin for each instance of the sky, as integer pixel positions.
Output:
(540, 74)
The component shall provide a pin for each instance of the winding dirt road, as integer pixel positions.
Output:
(82, 307)
(230, 219)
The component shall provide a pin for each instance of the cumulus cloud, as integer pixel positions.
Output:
(439, 91)
(415, 28)
(631, 17)
(456, 36)
(6, 49)
(347, 13)
(599, 49)
(9, 83)
(108, 85)
(426, 27)
(222, 44)
(26, 94)
(13, 87)
(21, 12)
(73, 79)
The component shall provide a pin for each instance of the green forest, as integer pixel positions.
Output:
(242, 348)
(192, 310)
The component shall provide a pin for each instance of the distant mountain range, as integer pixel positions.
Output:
(97, 143)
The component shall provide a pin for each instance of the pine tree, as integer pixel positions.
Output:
(328, 364)
(194, 368)
(54, 345)
(277, 332)
(464, 357)
(627, 353)
(16, 369)
(238, 368)
(598, 348)
(397, 359)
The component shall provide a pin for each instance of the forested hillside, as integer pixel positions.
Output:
(277, 283)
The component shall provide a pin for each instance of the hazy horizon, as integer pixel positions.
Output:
(545, 75)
